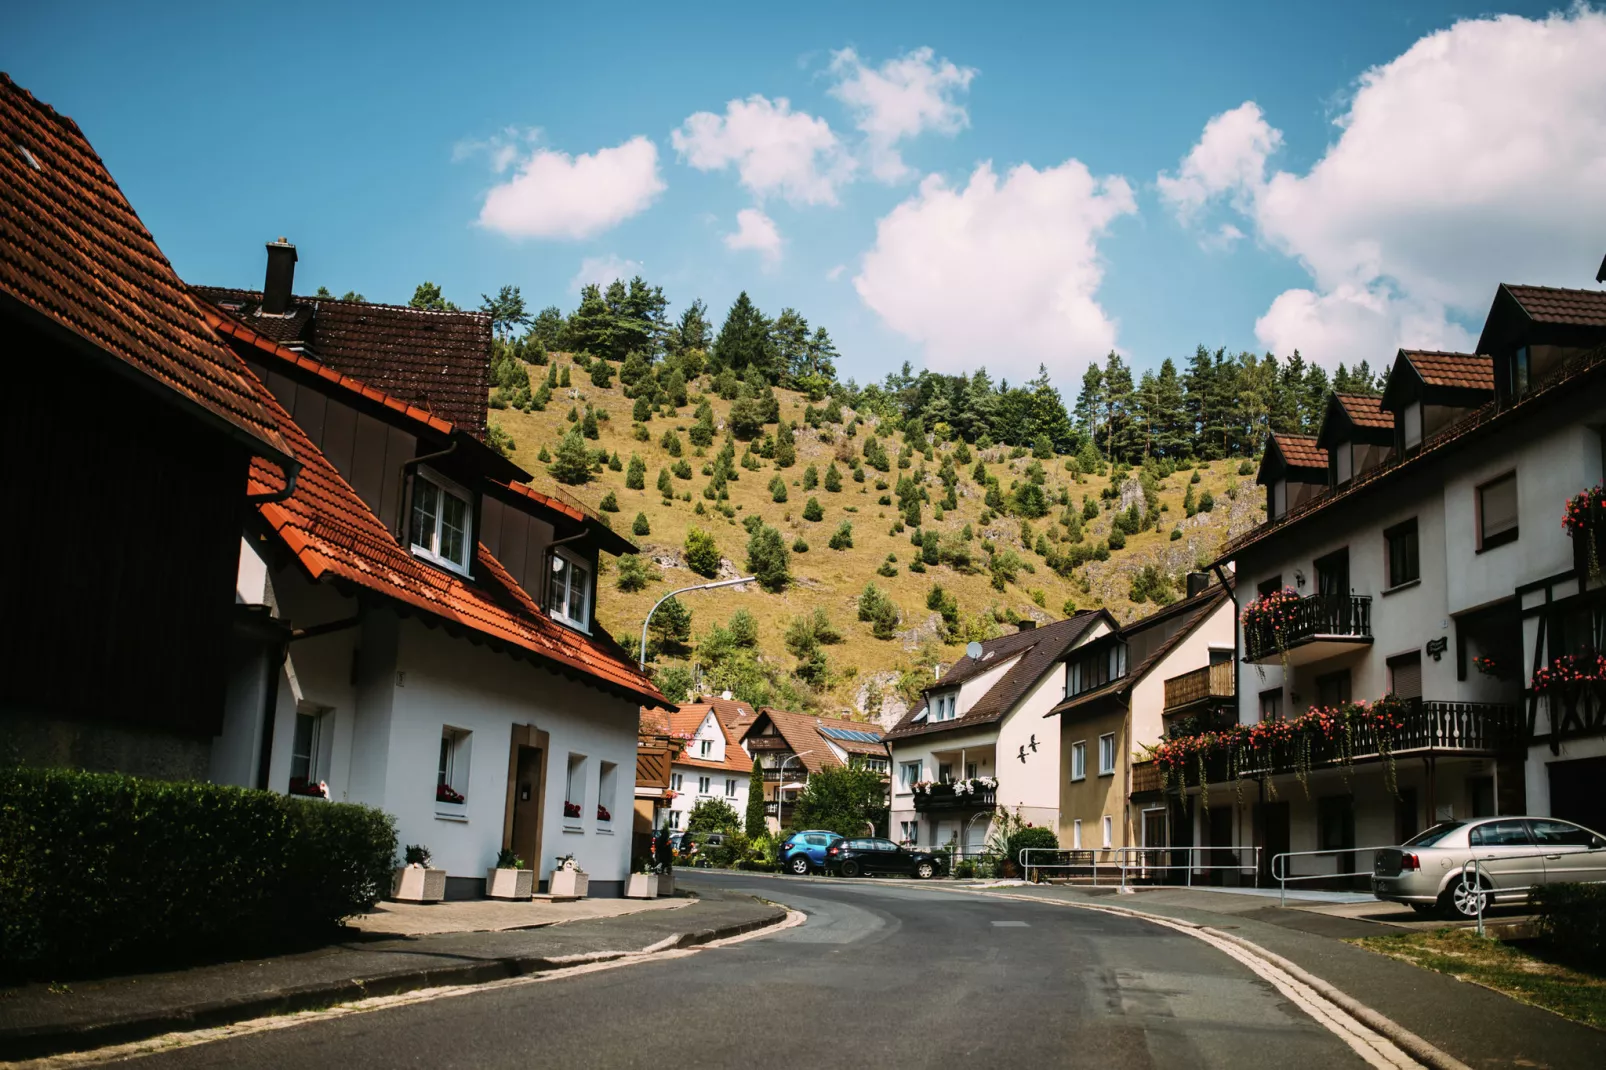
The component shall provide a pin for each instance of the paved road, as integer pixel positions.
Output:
(881, 975)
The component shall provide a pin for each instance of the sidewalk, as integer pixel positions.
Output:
(1480, 1027)
(36, 1021)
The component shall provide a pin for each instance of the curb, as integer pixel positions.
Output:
(30, 1042)
(1403, 1038)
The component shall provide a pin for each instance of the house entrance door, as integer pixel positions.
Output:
(1271, 828)
(526, 833)
(1154, 861)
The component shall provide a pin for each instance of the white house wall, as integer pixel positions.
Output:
(1148, 697)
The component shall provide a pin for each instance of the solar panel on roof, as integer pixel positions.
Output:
(852, 735)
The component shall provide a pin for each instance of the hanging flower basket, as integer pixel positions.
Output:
(1570, 671)
(1585, 522)
(1269, 619)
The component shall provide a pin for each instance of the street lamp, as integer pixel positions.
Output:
(642, 660)
(780, 788)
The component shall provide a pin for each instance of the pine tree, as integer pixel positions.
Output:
(833, 479)
(812, 510)
(785, 446)
(588, 426)
(665, 487)
(768, 559)
(744, 340)
(641, 526)
(754, 822)
(636, 477)
(590, 327)
(572, 465)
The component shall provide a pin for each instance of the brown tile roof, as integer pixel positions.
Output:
(1467, 371)
(336, 538)
(1547, 304)
(1300, 451)
(1365, 410)
(1039, 648)
(439, 361)
(73, 251)
(802, 734)
(685, 721)
(1575, 373)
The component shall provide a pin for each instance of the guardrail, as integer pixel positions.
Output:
(1123, 861)
(1280, 874)
(1479, 873)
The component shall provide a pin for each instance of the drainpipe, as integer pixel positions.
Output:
(402, 500)
(291, 471)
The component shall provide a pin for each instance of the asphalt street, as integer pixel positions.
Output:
(880, 975)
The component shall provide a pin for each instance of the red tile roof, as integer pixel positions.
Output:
(1547, 304)
(73, 250)
(802, 734)
(1468, 371)
(1365, 410)
(1300, 451)
(439, 361)
(686, 721)
(336, 537)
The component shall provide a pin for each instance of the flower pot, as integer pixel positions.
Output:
(666, 883)
(416, 884)
(509, 883)
(642, 886)
(569, 882)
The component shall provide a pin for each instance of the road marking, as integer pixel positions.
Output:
(175, 1041)
(1010, 925)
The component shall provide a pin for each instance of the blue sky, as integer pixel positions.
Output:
(1231, 176)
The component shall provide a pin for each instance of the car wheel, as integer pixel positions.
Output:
(850, 869)
(1461, 899)
(799, 865)
(925, 871)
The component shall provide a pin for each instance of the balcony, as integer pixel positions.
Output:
(767, 743)
(1322, 626)
(786, 811)
(1145, 779)
(1202, 685)
(943, 798)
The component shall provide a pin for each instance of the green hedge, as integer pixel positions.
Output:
(98, 870)
(1572, 920)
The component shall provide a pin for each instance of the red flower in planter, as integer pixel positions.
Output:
(602, 813)
(445, 794)
(571, 809)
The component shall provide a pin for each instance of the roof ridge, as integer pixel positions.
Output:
(314, 298)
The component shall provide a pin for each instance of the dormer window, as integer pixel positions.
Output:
(1096, 669)
(442, 519)
(569, 596)
(1411, 425)
(1343, 464)
(943, 707)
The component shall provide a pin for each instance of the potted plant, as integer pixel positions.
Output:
(568, 881)
(1585, 523)
(509, 879)
(643, 884)
(415, 881)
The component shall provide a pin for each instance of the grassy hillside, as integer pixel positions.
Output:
(865, 671)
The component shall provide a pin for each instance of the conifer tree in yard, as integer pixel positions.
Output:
(777, 489)
(812, 510)
(572, 465)
(768, 559)
(636, 477)
(610, 503)
(702, 554)
(833, 479)
(641, 527)
(601, 374)
(811, 477)
(785, 446)
(754, 819)
(591, 325)
(588, 426)
(671, 626)
(743, 340)
(641, 411)
(665, 486)
(563, 379)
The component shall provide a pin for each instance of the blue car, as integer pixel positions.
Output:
(804, 852)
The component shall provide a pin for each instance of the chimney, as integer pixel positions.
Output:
(1026, 625)
(1197, 582)
(281, 278)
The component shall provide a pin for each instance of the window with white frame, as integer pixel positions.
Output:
(730, 787)
(1107, 754)
(702, 785)
(1079, 760)
(574, 791)
(943, 707)
(442, 519)
(910, 831)
(908, 774)
(1109, 831)
(607, 791)
(451, 774)
(674, 781)
(1076, 835)
(569, 595)
(705, 748)
(674, 819)
(305, 754)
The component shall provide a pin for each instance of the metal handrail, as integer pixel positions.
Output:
(1122, 861)
(1282, 878)
(1477, 866)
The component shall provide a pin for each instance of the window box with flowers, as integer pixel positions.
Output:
(1268, 622)
(1574, 687)
(1585, 522)
(450, 804)
(308, 789)
(572, 817)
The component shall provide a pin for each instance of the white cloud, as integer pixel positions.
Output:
(501, 148)
(1476, 157)
(1230, 158)
(756, 231)
(835, 272)
(555, 195)
(999, 273)
(900, 99)
(602, 270)
(776, 151)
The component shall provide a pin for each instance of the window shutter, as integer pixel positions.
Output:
(1405, 676)
(1499, 506)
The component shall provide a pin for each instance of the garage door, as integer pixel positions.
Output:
(1575, 792)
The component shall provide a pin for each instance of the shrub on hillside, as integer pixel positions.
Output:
(702, 554)
(104, 870)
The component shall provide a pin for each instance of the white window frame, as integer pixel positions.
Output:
(576, 772)
(314, 745)
(908, 775)
(1076, 835)
(1079, 760)
(704, 785)
(561, 557)
(454, 765)
(674, 781)
(430, 550)
(730, 787)
(1107, 751)
(1107, 828)
(705, 748)
(674, 819)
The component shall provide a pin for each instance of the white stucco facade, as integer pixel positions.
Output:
(726, 783)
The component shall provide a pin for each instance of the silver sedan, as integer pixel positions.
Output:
(1514, 854)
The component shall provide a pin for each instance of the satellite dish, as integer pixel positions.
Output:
(973, 651)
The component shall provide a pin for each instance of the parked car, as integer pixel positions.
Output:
(1513, 853)
(804, 852)
(850, 858)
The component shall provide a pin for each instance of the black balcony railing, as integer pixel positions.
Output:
(1347, 616)
(943, 797)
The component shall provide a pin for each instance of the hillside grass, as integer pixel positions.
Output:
(832, 579)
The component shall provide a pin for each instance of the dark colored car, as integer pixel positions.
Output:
(851, 858)
(805, 852)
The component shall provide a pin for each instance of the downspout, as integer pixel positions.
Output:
(403, 504)
(291, 470)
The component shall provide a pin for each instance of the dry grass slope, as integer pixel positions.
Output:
(832, 579)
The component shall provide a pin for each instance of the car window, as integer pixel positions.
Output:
(1500, 834)
(1429, 837)
(1561, 834)
(815, 841)
(861, 845)
(884, 845)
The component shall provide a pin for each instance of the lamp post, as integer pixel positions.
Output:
(641, 661)
(780, 787)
